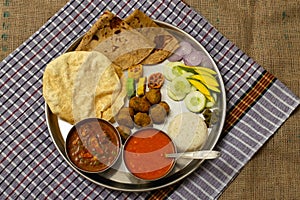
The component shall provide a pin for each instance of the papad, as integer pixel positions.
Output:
(81, 84)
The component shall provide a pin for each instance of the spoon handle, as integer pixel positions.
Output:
(206, 154)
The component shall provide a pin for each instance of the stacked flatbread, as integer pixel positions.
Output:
(117, 40)
(134, 40)
(165, 43)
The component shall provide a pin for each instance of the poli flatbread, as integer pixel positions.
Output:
(117, 40)
(165, 43)
(81, 84)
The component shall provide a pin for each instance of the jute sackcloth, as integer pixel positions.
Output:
(267, 31)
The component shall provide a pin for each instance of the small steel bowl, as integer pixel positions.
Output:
(144, 154)
(93, 145)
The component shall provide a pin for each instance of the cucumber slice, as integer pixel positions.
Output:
(130, 87)
(180, 85)
(187, 74)
(167, 71)
(176, 97)
(171, 70)
(193, 88)
(210, 104)
(195, 101)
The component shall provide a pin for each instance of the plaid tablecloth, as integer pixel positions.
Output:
(31, 166)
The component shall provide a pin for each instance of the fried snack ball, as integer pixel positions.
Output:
(166, 106)
(153, 96)
(124, 132)
(127, 110)
(125, 117)
(142, 119)
(139, 104)
(158, 113)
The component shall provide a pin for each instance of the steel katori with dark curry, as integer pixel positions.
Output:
(93, 145)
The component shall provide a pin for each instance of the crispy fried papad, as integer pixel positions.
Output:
(117, 40)
(117, 104)
(81, 84)
(165, 43)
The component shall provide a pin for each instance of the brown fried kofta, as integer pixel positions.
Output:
(125, 117)
(153, 96)
(139, 104)
(142, 119)
(127, 110)
(158, 113)
(166, 106)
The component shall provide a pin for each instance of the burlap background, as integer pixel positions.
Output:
(268, 31)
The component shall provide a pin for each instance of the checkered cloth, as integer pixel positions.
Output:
(31, 166)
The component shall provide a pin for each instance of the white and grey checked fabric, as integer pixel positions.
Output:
(31, 166)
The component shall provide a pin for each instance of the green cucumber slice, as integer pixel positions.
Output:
(180, 85)
(130, 87)
(195, 101)
(176, 97)
(171, 70)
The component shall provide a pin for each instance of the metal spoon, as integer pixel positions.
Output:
(206, 154)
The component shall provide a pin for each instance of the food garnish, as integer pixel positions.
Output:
(189, 55)
(180, 87)
(211, 116)
(185, 80)
(195, 101)
(202, 88)
(141, 86)
(130, 87)
(185, 48)
(135, 71)
(156, 80)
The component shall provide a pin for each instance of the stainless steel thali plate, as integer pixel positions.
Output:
(118, 178)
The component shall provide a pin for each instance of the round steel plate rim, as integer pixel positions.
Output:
(49, 114)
